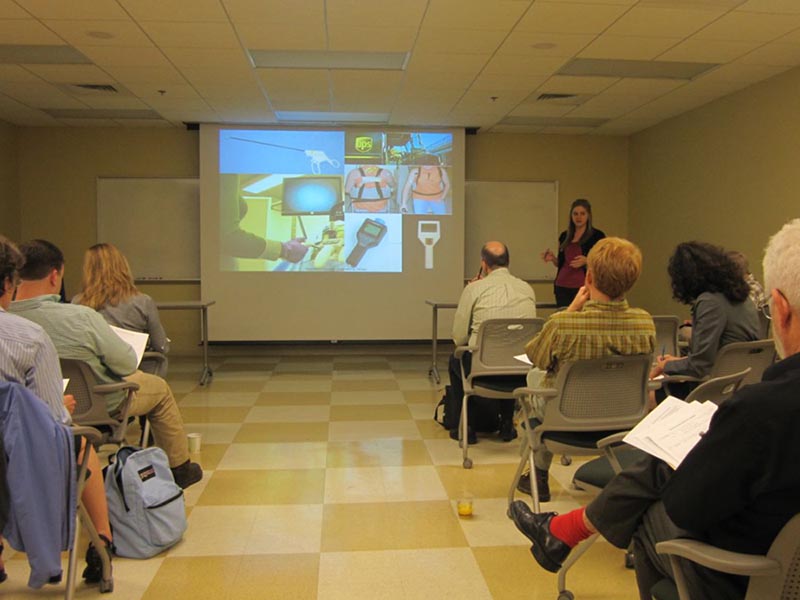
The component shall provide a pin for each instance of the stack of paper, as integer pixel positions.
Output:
(672, 429)
(138, 341)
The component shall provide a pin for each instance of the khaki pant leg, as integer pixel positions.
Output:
(155, 400)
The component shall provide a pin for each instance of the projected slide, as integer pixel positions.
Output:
(328, 200)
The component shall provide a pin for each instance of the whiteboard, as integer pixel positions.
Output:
(521, 214)
(155, 222)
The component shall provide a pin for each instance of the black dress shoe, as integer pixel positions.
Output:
(472, 437)
(543, 484)
(549, 551)
(507, 430)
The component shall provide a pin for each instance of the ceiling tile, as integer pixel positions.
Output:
(773, 54)
(628, 47)
(149, 123)
(460, 63)
(207, 57)
(346, 37)
(10, 10)
(15, 73)
(624, 126)
(663, 22)
(296, 89)
(91, 10)
(709, 51)
(461, 14)
(191, 35)
(566, 130)
(279, 36)
(191, 116)
(84, 33)
(490, 82)
(610, 107)
(542, 45)
(515, 129)
(154, 75)
(558, 17)
(483, 102)
(71, 73)
(175, 92)
(437, 80)
(218, 75)
(247, 91)
(88, 122)
(756, 27)
(742, 72)
(458, 41)
(540, 109)
(125, 56)
(511, 64)
(415, 96)
(281, 11)
(565, 84)
(121, 102)
(158, 10)
(27, 31)
(385, 12)
(160, 105)
(39, 95)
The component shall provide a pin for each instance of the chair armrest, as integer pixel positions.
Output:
(613, 439)
(681, 379)
(155, 356)
(107, 388)
(522, 392)
(92, 435)
(655, 384)
(461, 350)
(715, 558)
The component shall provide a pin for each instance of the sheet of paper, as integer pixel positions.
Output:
(671, 430)
(524, 358)
(66, 383)
(138, 341)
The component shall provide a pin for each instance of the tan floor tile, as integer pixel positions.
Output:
(365, 375)
(420, 383)
(306, 376)
(387, 412)
(181, 386)
(214, 414)
(599, 574)
(489, 525)
(422, 412)
(210, 455)
(423, 396)
(363, 363)
(390, 526)
(290, 455)
(383, 484)
(216, 531)
(288, 529)
(366, 398)
(205, 398)
(481, 481)
(374, 453)
(243, 385)
(401, 574)
(297, 385)
(244, 367)
(369, 430)
(487, 451)
(213, 433)
(431, 430)
(374, 385)
(293, 398)
(295, 486)
(282, 432)
(312, 413)
(228, 577)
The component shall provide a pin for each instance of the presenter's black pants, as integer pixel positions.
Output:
(564, 295)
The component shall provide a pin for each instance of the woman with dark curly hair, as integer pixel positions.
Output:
(706, 277)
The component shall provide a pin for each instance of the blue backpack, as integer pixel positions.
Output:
(145, 505)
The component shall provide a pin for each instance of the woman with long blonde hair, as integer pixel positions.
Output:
(109, 289)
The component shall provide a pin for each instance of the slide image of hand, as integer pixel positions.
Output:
(294, 250)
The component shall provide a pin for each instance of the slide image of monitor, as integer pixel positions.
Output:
(373, 244)
(281, 151)
(310, 195)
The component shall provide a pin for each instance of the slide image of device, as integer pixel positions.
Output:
(428, 233)
(373, 244)
(281, 151)
(370, 189)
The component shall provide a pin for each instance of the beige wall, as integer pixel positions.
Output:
(727, 173)
(590, 167)
(9, 201)
(58, 169)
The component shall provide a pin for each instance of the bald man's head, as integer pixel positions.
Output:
(494, 255)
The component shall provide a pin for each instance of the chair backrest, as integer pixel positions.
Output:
(499, 341)
(608, 393)
(666, 334)
(786, 550)
(90, 406)
(719, 389)
(154, 363)
(737, 356)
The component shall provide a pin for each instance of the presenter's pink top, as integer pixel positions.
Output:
(569, 277)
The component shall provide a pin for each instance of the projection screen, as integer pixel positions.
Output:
(329, 234)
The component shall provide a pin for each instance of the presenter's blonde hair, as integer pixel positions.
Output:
(615, 265)
(107, 277)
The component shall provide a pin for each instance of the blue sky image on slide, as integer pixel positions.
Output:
(289, 152)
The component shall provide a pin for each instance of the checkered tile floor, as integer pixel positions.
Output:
(326, 477)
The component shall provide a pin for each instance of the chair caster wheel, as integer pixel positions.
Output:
(629, 560)
(467, 463)
(566, 461)
(566, 595)
(106, 586)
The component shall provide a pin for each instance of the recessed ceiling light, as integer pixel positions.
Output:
(543, 46)
(331, 117)
(26, 54)
(312, 59)
(100, 35)
(646, 69)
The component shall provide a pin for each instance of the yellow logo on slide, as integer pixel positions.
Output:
(363, 144)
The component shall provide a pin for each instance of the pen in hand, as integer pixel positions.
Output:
(663, 351)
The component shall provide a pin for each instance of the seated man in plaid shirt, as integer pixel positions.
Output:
(598, 323)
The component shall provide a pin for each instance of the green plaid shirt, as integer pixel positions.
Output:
(600, 329)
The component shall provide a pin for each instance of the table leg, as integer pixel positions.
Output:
(207, 373)
(434, 371)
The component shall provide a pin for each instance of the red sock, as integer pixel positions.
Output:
(569, 528)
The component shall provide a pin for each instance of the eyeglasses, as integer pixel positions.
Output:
(766, 309)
